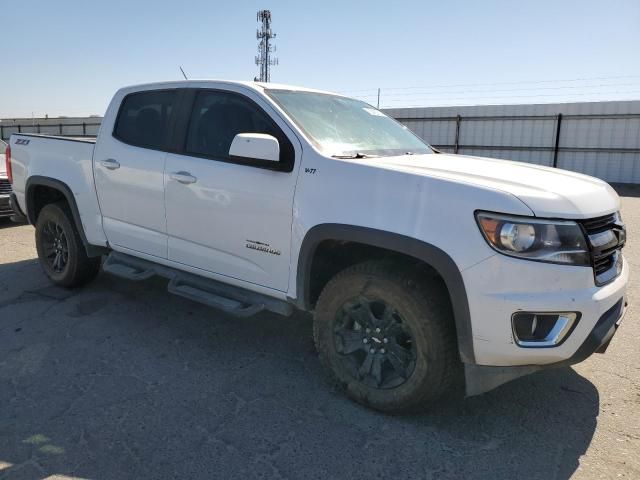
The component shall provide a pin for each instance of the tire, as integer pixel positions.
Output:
(412, 360)
(60, 249)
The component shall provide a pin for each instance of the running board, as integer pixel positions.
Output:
(230, 299)
(123, 268)
(211, 295)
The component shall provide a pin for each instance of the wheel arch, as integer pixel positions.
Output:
(34, 205)
(424, 252)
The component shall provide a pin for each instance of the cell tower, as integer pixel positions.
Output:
(264, 59)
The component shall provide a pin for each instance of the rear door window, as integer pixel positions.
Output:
(145, 118)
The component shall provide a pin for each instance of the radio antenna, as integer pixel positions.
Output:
(265, 60)
(183, 74)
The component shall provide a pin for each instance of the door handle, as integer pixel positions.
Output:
(110, 163)
(183, 177)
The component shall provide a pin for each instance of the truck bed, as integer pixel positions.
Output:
(67, 161)
(58, 137)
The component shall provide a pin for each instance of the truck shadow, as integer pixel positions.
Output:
(535, 427)
(5, 222)
(121, 380)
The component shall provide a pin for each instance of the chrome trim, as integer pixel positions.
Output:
(561, 329)
(604, 239)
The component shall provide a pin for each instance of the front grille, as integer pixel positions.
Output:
(602, 264)
(594, 225)
(5, 186)
(606, 236)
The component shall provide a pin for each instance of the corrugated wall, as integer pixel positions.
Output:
(597, 138)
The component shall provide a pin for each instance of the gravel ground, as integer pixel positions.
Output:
(121, 380)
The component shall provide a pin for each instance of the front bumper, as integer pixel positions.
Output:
(500, 286)
(480, 379)
(600, 337)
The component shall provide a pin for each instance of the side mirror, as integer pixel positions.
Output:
(258, 146)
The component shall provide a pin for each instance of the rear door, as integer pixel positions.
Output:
(225, 215)
(129, 163)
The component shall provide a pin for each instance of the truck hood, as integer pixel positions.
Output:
(548, 192)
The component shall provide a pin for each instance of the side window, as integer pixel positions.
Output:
(144, 118)
(216, 119)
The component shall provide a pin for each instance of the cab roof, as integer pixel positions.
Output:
(258, 86)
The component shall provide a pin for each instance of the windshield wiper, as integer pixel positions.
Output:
(353, 155)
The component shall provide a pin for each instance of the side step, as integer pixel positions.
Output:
(130, 270)
(212, 296)
(230, 299)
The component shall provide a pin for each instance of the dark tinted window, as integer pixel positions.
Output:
(144, 118)
(217, 117)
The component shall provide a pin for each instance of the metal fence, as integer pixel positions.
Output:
(63, 129)
(554, 140)
(601, 139)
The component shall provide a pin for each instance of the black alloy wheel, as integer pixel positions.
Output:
(61, 251)
(376, 346)
(386, 335)
(56, 246)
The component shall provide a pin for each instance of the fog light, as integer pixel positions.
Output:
(542, 329)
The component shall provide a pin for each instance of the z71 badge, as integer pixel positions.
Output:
(22, 141)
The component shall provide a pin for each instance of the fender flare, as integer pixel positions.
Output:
(430, 254)
(63, 188)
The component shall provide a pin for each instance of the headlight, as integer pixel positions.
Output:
(554, 241)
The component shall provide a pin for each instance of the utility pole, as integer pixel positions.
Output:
(264, 59)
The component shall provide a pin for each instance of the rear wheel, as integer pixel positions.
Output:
(386, 336)
(60, 250)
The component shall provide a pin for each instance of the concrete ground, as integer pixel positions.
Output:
(120, 380)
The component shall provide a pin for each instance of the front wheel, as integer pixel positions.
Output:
(60, 250)
(387, 336)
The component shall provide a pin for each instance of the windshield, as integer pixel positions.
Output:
(341, 126)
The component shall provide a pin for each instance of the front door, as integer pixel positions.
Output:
(129, 173)
(226, 215)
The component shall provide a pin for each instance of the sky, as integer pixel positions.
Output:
(68, 57)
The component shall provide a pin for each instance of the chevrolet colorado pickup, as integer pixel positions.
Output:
(422, 269)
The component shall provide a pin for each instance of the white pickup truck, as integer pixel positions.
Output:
(422, 269)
